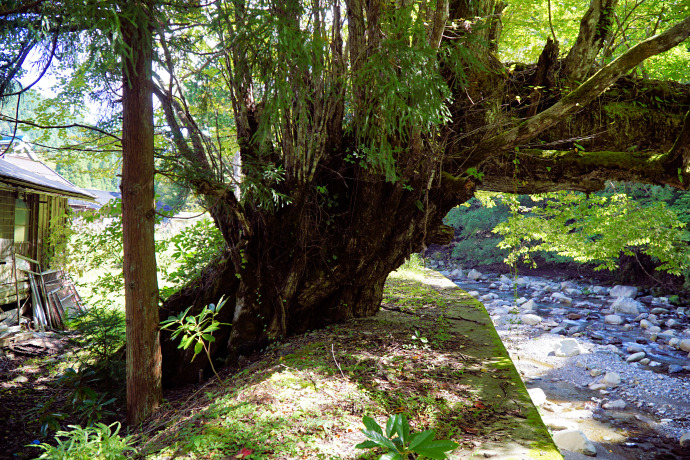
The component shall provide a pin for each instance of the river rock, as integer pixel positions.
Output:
(572, 292)
(456, 274)
(613, 319)
(505, 279)
(529, 305)
(671, 323)
(623, 291)
(636, 357)
(618, 404)
(674, 368)
(612, 379)
(474, 274)
(634, 349)
(567, 347)
(530, 319)
(537, 395)
(644, 324)
(685, 439)
(659, 311)
(561, 298)
(574, 440)
(598, 290)
(567, 285)
(626, 306)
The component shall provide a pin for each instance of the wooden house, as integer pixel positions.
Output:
(31, 196)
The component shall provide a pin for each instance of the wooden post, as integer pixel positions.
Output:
(16, 285)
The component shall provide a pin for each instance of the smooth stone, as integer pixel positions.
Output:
(567, 347)
(574, 440)
(634, 349)
(560, 298)
(644, 324)
(626, 306)
(618, 404)
(685, 439)
(645, 361)
(636, 357)
(674, 368)
(596, 372)
(531, 320)
(538, 396)
(613, 319)
(529, 305)
(474, 274)
(612, 379)
(672, 323)
(598, 290)
(674, 342)
(456, 274)
(623, 291)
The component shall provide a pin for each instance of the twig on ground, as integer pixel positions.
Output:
(336, 362)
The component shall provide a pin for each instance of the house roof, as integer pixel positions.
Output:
(102, 197)
(19, 176)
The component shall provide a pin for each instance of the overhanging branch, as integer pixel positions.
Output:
(582, 95)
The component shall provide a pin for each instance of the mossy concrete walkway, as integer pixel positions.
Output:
(508, 425)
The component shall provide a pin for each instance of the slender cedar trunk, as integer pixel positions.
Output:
(141, 285)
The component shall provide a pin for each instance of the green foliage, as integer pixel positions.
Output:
(85, 403)
(101, 331)
(82, 402)
(475, 244)
(399, 443)
(409, 93)
(196, 329)
(192, 249)
(99, 442)
(526, 30)
(597, 229)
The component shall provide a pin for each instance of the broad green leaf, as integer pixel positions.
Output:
(208, 338)
(198, 347)
(366, 445)
(421, 438)
(436, 449)
(380, 439)
(391, 456)
(371, 424)
(398, 424)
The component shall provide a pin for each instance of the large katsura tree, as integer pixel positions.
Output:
(328, 139)
(360, 124)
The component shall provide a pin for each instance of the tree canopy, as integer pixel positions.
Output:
(328, 139)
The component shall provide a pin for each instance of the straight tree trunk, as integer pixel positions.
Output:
(141, 285)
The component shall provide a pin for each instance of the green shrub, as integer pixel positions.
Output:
(399, 443)
(99, 442)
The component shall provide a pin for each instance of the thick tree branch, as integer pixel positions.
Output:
(581, 96)
(550, 170)
(595, 31)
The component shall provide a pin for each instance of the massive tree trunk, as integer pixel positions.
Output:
(345, 217)
(141, 284)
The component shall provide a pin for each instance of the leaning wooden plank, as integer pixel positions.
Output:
(39, 315)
